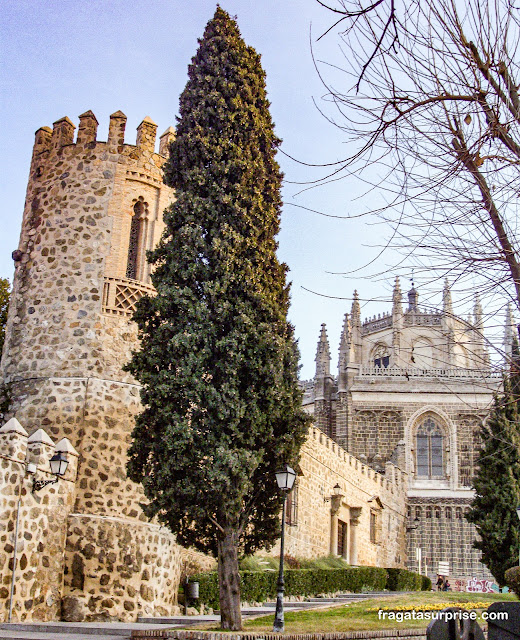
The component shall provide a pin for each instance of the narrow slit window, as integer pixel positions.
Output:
(135, 241)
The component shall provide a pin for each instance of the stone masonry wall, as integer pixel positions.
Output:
(325, 464)
(38, 572)
(444, 535)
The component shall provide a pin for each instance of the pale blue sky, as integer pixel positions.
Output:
(63, 57)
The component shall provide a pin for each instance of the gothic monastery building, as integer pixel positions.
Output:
(413, 387)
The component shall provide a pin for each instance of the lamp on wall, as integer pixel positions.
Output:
(58, 464)
(336, 493)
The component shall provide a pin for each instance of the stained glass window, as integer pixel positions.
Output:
(430, 450)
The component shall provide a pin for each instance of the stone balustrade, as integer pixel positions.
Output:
(120, 295)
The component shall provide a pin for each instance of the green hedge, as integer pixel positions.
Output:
(403, 580)
(258, 586)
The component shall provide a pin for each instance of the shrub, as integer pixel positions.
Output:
(426, 584)
(512, 577)
(403, 580)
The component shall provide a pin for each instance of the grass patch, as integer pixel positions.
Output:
(356, 615)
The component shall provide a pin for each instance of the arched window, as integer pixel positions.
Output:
(458, 513)
(428, 513)
(437, 511)
(135, 244)
(381, 356)
(430, 463)
(448, 513)
(418, 512)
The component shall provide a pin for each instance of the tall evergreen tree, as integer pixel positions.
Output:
(497, 484)
(218, 359)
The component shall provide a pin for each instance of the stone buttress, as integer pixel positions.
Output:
(92, 210)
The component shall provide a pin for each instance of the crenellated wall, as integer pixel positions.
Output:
(322, 517)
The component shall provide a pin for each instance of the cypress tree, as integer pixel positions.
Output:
(218, 360)
(497, 485)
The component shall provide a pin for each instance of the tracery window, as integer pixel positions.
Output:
(429, 440)
(381, 356)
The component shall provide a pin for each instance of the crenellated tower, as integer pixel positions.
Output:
(92, 211)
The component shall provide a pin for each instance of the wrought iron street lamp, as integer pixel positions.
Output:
(285, 479)
(58, 464)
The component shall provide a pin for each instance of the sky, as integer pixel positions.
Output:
(63, 57)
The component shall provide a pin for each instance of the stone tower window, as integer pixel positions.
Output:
(381, 356)
(136, 241)
(430, 447)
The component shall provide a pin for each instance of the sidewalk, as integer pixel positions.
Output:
(123, 630)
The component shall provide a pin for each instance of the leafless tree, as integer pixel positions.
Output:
(429, 98)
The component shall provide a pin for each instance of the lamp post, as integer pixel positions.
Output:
(518, 514)
(285, 480)
(58, 464)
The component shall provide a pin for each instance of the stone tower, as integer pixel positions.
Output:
(92, 210)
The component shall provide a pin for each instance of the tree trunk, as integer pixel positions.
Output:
(229, 582)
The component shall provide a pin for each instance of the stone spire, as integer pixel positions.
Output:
(509, 332)
(477, 314)
(344, 343)
(323, 354)
(447, 305)
(355, 312)
(397, 297)
(355, 323)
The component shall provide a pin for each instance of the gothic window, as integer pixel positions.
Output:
(292, 506)
(418, 512)
(437, 511)
(448, 513)
(381, 356)
(428, 513)
(430, 447)
(458, 513)
(136, 240)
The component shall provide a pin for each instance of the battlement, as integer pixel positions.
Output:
(62, 135)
